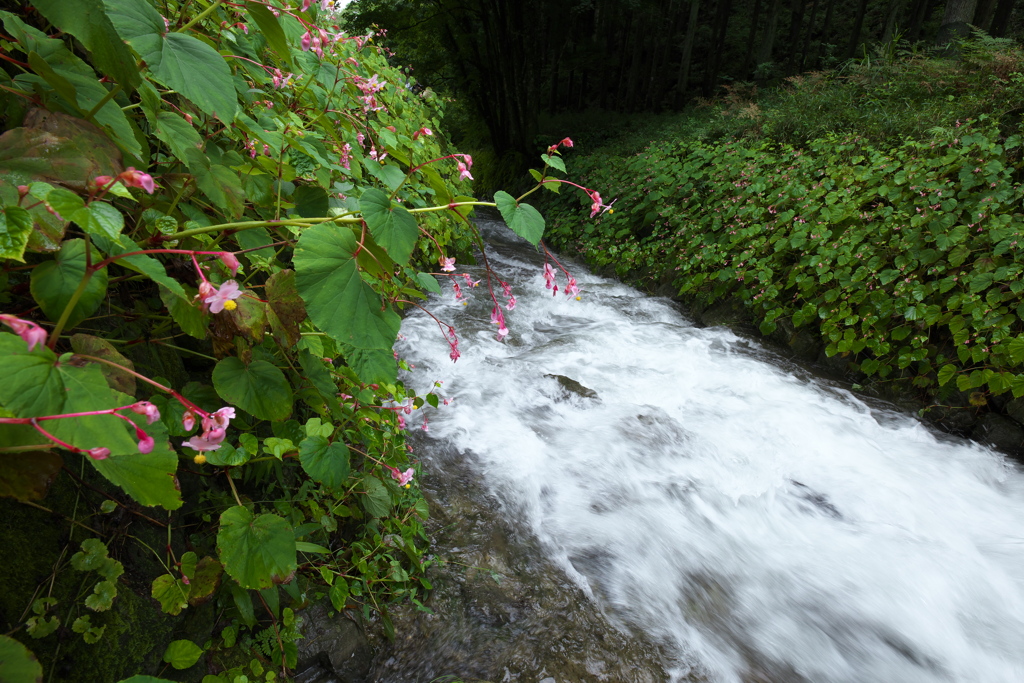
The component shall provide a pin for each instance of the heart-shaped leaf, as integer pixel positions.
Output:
(256, 551)
(524, 220)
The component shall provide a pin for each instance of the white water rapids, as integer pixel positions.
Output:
(757, 523)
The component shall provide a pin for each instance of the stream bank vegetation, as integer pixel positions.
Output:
(878, 206)
(212, 217)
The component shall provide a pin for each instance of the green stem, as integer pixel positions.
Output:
(199, 17)
(55, 334)
(19, 449)
(106, 98)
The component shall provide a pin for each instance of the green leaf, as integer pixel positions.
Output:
(134, 19)
(373, 366)
(54, 282)
(15, 229)
(946, 373)
(142, 263)
(17, 663)
(259, 389)
(554, 162)
(102, 597)
(304, 547)
(339, 593)
(377, 501)
(86, 20)
(270, 29)
(428, 282)
(310, 201)
(392, 226)
(325, 463)
(286, 307)
(1016, 350)
(337, 299)
(141, 678)
(119, 380)
(256, 551)
(315, 370)
(205, 581)
(181, 62)
(171, 593)
(181, 654)
(180, 136)
(523, 219)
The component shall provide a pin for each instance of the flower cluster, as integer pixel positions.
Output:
(214, 428)
(26, 329)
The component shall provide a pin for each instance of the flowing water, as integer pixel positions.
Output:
(755, 523)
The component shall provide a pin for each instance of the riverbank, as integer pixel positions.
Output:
(896, 265)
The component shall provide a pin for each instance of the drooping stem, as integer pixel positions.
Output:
(70, 306)
(199, 17)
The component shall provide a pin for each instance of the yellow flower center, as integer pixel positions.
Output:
(230, 305)
(199, 459)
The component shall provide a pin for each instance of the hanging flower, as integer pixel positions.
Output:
(224, 298)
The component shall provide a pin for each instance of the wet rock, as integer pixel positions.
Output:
(1015, 409)
(501, 610)
(1000, 432)
(571, 386)
(332, 645)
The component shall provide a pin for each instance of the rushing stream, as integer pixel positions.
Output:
(753, 522)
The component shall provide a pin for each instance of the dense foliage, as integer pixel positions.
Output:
(906, 256)
(211, 222)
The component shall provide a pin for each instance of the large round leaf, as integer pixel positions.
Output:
(182, 654)
(54, 282)
(259, 388)
(337, 299)
(325, 463)
(524, 220)
(256, 551)
(17, 663)
(392, 227)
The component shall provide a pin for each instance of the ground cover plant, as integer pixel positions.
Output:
(904, 254)
(212, 217)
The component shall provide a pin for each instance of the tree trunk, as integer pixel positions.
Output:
(683, 82)
(807, 35)
(755, 17)
(984, 13)
(858, 24)
(826, 25)
(923, 12)
(956, 21)
(764, 52)
(796, 20)
(721, 28)
(896, 8)
(1001, 19)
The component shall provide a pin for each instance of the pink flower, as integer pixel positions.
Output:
(133, 178)
(549, 276)
(146, 408)
(360, 138)
(219, 419)
(229, 260)
(447, 264)
(146, 442)
(502, 331)
(464, 173)
(98, 453)
(188, 420)
(496, 316)
(507, 288)
(402, 478)
(346, 155)
(306, 40)
(206, 442)
(422, 131)
(511, 303)
(306, 4)
(31, 333)
(571, 288)
(458, 290)
(596, 206)
(401, 422)
(470, 281)
(566, 141)
(101, 181)
(224, 297)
